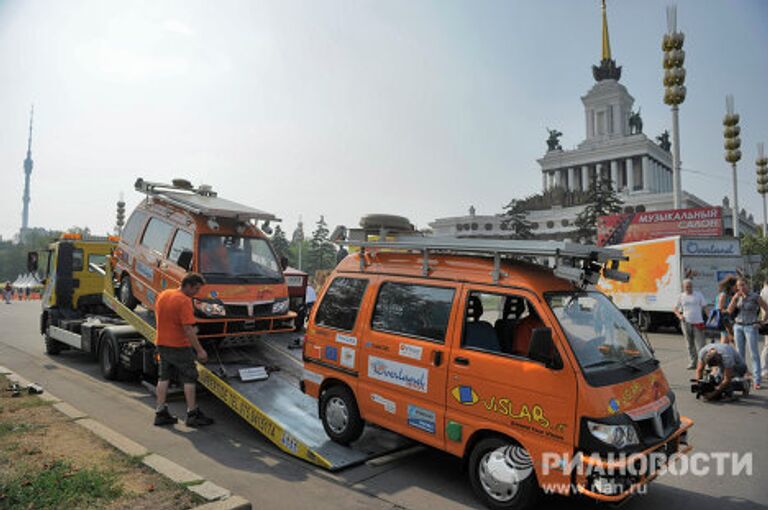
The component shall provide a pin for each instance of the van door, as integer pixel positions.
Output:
(150, 254)
(493, 383)
(404, 366)
(179, 260)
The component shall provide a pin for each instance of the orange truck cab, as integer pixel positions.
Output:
(539, 384)
(179, 228)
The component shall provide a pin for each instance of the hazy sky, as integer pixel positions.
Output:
(415, 107)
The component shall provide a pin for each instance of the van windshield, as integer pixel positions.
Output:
(239, 259)
(600, 336)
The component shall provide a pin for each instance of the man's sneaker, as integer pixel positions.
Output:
(164, 418)
(196, 418)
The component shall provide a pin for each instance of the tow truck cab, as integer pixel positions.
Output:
(535, 381)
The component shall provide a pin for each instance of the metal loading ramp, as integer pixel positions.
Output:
(275, 407)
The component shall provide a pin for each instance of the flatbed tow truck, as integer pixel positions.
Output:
(259, 382)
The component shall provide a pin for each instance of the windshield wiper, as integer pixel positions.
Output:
(601, 363)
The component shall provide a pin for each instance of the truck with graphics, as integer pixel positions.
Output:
(657, 268)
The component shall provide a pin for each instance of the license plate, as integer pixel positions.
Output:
(249, 324)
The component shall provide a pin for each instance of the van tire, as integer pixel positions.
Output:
(125, 293)
(340, 415)
(520, 497)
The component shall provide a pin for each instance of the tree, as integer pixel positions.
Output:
(757, 244)
(322, 253)
(516, 221)
(280, 242)
(602, 200)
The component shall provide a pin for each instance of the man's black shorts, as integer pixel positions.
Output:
(180, 358)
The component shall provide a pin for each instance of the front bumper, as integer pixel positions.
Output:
(213, 328)
(672, 447)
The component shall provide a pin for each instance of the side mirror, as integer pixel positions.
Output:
(542, 349)
(32, 259)
(185, 260)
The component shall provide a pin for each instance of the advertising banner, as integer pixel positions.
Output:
(641, 226)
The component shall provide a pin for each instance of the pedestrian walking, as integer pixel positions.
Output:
(727, 289)
(764, 356)
(691, 309)
(745, 309)
(7, 293)
(177, 346)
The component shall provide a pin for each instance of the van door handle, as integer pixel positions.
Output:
(437, 358)
(460, 360)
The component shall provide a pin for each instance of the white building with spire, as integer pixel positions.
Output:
(614, 149)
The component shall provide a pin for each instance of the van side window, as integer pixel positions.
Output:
(415, 310)
(182, 242)
(500, 323)
(77, 260)
(341, 303)
(156, 235)
(133, 227)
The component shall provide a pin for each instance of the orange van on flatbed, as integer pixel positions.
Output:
(536, 382)
(179, 228)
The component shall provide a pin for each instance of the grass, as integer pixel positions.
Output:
(58, 485)
(11, 428)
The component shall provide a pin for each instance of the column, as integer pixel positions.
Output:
(646, 173)
(668, 173)
(584, 177)
(599, 173)
(572, 179)
(543, 181)
(558, 178)
(615, 175)
(630, 175)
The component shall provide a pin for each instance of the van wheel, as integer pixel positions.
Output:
(501, 474)
(340, 415)
(52, 347)
(125, 293)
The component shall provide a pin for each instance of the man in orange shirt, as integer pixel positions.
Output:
(177, 346)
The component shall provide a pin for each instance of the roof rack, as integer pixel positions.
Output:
(201, 200)
(580, 263)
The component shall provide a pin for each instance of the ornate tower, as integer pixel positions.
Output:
(28, 163)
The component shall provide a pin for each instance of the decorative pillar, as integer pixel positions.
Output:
(584, 177)
(646, 173)
(571, 178)
(543, 181)
(630, 175)
(615, 175)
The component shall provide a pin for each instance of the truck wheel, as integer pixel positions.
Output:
(340, 415)
(52, 347)
(125, 293)
(501, 474)
(109, 358)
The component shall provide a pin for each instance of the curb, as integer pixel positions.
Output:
(218, 497)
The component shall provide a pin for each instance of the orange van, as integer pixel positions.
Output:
(539, 384)
(179, 228)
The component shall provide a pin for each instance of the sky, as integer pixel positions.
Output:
(344, 108)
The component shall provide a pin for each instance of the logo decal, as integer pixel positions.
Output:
(331, 353)
(465, 395)
(411, 351)
(613, 406)
(347, 357)
(399, 374)
(346, 340)
(422, 419)
(389, 405)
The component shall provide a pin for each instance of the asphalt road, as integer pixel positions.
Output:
(234, 456)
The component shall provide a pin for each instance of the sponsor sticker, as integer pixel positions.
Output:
(331, 353)
(420, 418)
(389, 405)
(399, 374)
(411, 351)
(348, 357)
(346, 340)
(311, 376)
(290, 442)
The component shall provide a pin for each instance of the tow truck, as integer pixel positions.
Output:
(259, 382)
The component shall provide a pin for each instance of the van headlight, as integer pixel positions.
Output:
(618, 436)
(280, 307)
(209, 308)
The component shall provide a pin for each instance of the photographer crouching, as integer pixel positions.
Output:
(730, 365)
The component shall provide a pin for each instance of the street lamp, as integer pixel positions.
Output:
(674, 93)
(762, 182)
(732, 153)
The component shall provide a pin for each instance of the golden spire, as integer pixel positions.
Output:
(606, 42)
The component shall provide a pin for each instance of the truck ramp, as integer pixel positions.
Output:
(276, 407)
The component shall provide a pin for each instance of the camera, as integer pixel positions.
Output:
(701, 387)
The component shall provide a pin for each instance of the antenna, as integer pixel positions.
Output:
(671, 19)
